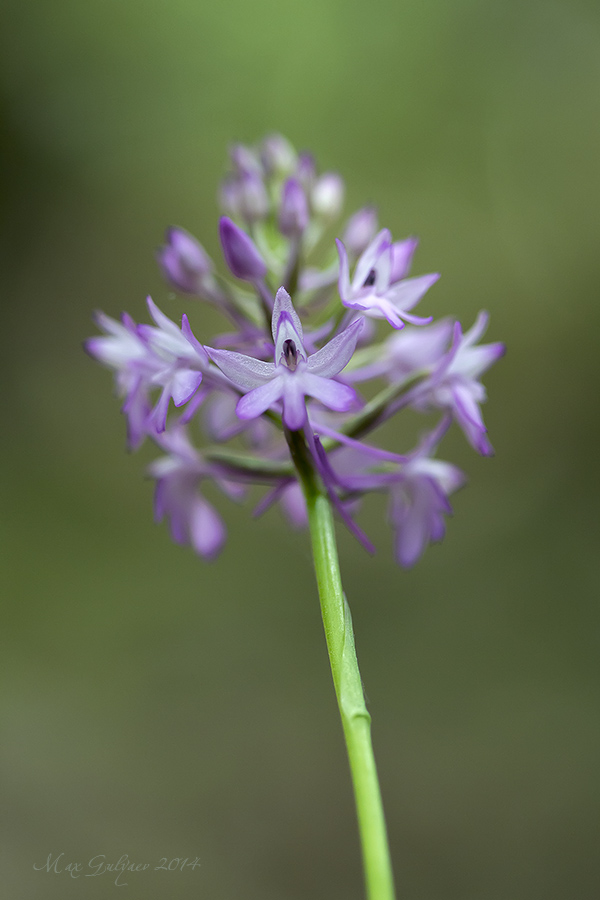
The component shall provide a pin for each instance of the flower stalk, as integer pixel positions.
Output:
(356, 720)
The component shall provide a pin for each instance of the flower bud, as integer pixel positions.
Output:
(244, 159)
(240, 252)
(306, 171)
(293, 212)
(184, 262)
(328, 195)
(277, 155)
(360, 230)
(245, 196)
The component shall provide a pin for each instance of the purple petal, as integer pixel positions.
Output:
(402, 254)
(184, 384)
(207, 532)
(260, 399)
(332, 394)
(294, 404)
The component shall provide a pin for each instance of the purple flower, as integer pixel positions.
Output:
(240, 252)
(454, 385)
(178, 475)
(184, 262)
(293, 375)
(379, 287)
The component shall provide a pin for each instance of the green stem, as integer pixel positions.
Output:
(356, 720)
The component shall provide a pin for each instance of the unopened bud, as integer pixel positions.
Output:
(240, 252)
(293, 212)
(278, 156)
(328, 195)
(184, 262)
(360, 230)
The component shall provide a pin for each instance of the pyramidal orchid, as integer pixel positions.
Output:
(306, 328)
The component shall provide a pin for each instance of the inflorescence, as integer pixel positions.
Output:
(290, 367)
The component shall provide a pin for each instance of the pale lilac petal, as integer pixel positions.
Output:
(344, 286)
(406, 294)
(260, 399)
(416, 320)
(163, 322)
(186, 330)
(294, 404)
(283, 305)
(369, 258)
(245, 371)
(207, 532)
(159, 413)
(467, 406)
(402, 254)
(336, 354)
(184, 384)
(477, 330)
(383, 270)
(294, 505)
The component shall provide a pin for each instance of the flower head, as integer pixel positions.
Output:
(281, 381)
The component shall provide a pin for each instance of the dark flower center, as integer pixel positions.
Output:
(290, 354)
(370, 279)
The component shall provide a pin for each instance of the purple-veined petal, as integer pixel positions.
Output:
(337, 353)
(283, 305)
(245, 371)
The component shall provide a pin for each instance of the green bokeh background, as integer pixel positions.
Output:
(157, 706)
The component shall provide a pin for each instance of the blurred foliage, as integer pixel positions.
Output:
(157, 706)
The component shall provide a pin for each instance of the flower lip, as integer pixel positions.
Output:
(290, 354)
